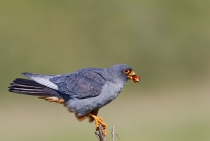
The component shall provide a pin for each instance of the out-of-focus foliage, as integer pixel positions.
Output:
(166, 42)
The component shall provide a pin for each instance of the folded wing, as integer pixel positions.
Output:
(82, 84)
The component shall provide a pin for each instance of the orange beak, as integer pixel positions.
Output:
(134, 77)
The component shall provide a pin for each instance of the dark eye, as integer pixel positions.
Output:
(126, 71)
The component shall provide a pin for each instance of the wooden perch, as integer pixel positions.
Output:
(101, 136)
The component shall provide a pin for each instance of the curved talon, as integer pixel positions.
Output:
(98, 121)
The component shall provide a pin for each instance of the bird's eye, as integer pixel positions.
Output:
(126, 71)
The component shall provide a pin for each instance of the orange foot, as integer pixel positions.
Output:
(98, 121)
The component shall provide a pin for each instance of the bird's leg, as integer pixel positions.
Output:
(98, 121)
(52, 99)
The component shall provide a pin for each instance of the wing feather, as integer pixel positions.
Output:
(81, 84)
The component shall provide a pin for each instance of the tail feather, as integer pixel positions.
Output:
(23, 86)
(26, 82)
(29, 87)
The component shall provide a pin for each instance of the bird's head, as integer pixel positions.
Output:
(123, 72)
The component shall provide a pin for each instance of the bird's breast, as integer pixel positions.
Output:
(83, 106)
(111, 90)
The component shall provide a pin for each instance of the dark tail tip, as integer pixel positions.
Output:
(25, 86)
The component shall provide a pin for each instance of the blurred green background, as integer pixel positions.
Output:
(166, 43)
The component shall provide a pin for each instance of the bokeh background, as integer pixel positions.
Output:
(166, 43)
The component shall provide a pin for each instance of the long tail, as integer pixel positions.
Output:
(30, 87)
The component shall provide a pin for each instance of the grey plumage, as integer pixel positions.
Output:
(83, 91)
(30, 87)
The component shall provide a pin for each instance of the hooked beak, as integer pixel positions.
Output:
(133, 77)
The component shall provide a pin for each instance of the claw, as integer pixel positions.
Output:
(98, 121)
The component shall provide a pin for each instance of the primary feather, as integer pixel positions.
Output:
(42, 79)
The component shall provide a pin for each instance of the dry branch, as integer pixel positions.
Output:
(101, 136)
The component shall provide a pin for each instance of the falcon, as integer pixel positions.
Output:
(83, 92)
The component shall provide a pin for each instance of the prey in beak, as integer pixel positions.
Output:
(132, 76)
